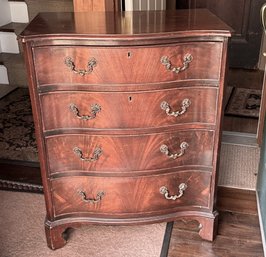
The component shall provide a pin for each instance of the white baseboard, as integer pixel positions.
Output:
(3, 75)
(19, 12)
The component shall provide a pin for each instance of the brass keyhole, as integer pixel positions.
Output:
(130, 99)
(129, 55)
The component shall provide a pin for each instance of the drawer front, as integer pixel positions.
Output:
(121, 154)
(112, 65)
(130, 195)
(129, 109)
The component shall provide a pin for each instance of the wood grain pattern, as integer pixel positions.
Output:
(127, 65)
(237, 200)
(130, 77)
(238, 236)
(130, 25)
(126, 154)
(142, 194)
(119, 110)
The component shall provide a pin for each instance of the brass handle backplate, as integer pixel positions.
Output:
(82, 72)
(98, 198)
(166, 107)
(164, 191)
(95, 108)
(165, 60)
(165, 150)
(95, 156)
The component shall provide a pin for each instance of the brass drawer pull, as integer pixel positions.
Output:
(70, 63)
(183, 146)
(165, 60)
(166, 107)
(98, 198)
(96, 154)
(164, 191)
(95, 108)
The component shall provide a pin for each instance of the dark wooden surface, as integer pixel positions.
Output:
(131, 167)
(237, 200)
(147, 106)
(117, 200)
(153, 23)
(238, 230)
(244, 17)
(241, 78)
(238, 236)
(129, 65)
(20, 171)
(20, 176)
(144, 152)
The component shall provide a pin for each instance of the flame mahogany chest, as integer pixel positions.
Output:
(127, 109)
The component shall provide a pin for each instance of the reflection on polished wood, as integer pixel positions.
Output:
(95, 5)
(200, 22)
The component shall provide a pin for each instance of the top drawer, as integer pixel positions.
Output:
(116, 65)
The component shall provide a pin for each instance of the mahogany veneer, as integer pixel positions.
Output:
(110, 150)
(130, 65)
(145, 105)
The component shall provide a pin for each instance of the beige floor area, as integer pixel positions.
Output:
(239, 161)
(22, 233)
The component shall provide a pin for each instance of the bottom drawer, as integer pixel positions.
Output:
(130, 195)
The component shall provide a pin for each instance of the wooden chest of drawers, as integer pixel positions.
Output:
(127, 115)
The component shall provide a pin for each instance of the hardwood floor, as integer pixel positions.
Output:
(238, 231)
(238, 236)
(237, 124)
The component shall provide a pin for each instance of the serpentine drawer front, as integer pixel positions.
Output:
(127, 118)
(102, 153)
(108, 195)
(94, 65)
(79, 109)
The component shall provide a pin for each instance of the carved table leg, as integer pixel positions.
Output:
(55, 236)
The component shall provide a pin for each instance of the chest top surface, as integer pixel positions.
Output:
(126, 25)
